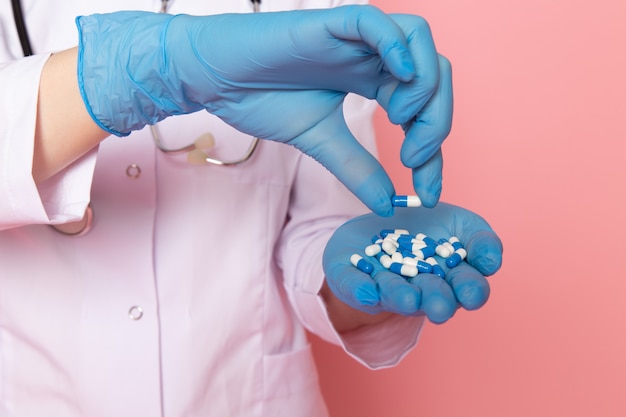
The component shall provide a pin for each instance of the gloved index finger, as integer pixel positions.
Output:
(331, 143)
(379, 31)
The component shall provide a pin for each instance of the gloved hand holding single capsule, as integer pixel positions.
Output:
(278, 76)
(428, 294)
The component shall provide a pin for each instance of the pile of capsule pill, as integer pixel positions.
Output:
(408, 255)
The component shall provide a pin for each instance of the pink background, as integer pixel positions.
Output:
(537, 148)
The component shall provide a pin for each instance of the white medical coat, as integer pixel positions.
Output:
(219, 267)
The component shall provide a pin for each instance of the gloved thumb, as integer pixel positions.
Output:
(313, 122)
(331, 143)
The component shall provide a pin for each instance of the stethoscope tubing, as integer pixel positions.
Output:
(20, 25)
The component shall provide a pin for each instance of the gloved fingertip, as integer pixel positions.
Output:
(429, 194)
(429, 199)
(384, 212)
(427, 181)
(438, 309)
(367, 296)
(474, 296)
(406, 303)
(404, 70)
(485, 253)
(489, 263)
(376, 195)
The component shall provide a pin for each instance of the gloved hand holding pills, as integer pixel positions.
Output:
(419, 261)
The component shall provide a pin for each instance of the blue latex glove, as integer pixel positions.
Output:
(427, 294)
(278, 76)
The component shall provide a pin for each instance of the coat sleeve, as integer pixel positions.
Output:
(62, 198)
(320, 204)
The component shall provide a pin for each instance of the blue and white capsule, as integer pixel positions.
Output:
(424, 267)
(459, 253)
(444, 248)
(456, 258)
(405, 270)
(361, 264)
(437, 269)
(455, 242)
(397, 257)
(385, 260)
(413, 246)
(389, 246)
(376, 239)
(425, 252)
(406, 201)
(427, 239)
(397, 232)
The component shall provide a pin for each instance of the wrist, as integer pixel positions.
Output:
(345, 318)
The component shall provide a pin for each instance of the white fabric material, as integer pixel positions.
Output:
(223, 262)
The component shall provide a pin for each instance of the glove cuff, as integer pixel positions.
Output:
(123, 71)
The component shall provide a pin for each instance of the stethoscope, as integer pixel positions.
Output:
(197, 151)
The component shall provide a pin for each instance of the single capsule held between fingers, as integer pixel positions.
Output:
(406, 201)
(361, 264)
